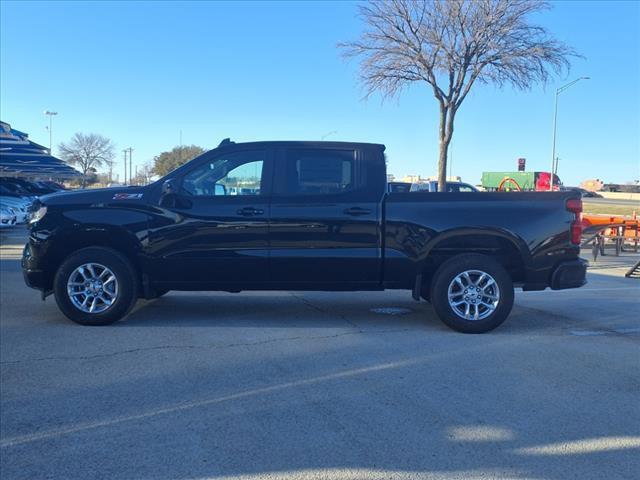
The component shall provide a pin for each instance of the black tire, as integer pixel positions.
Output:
(446, 274)
(126, 280)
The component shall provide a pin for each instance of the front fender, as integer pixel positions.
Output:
(61, 233)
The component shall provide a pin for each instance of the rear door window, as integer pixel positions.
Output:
(318, 172)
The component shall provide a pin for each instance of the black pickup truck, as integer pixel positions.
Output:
(300, 216)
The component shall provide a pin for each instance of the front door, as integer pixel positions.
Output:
(218, 237)
(324, 229)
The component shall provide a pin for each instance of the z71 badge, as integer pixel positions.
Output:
(127, 196)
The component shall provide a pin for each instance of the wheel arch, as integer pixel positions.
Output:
(507, 248)
(70, 240)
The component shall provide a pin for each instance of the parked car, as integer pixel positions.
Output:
(584, 193)
(13, 190)
(31, 188)
(432, 186)
(7, 216)
(55, 186)
(323, 221)
(21, 205)
(399, 187)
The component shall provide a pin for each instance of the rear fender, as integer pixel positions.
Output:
(471, 240)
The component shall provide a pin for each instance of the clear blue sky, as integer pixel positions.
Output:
(141, 72)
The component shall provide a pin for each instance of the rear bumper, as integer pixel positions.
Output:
(570, 274)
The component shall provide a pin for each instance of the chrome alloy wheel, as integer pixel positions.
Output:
(473, 295)
(92, 288)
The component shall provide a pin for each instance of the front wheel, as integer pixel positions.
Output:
(95, 286)
(472, 293)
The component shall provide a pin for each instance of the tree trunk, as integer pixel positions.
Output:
(442, 167)
(444, 147)
(447, 114)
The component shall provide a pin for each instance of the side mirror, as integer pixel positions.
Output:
(220, 189)
(169, 197)
(168, 187)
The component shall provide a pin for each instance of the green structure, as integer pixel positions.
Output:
(526, 180)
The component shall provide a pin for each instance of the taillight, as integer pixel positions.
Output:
(574, 205)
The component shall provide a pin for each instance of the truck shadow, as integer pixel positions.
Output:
(609, 296)
(311, 310)
(283, 310)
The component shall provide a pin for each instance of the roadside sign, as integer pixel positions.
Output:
(521, 164)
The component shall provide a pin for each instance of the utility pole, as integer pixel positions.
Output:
(125, 165)
(50, 115)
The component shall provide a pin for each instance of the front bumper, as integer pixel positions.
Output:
(570, 274)
(34, 277)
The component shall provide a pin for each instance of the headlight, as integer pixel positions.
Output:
(38, 214)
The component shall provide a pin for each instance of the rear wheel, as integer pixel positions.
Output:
(95, 286)
(472, 293)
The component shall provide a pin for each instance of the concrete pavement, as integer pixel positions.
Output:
(317, 385)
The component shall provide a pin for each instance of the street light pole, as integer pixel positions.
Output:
(555, 124)
(125, 165)
(130, 165)
(328, 134)
(50, 115)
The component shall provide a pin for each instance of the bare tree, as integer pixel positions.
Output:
(88, 151)
(451, 45)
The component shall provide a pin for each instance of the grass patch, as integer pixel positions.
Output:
(598, 208)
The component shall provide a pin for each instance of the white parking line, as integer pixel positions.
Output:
(583, 290)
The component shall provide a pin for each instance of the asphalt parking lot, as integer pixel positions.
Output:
(321, 385)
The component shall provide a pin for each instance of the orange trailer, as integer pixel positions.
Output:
(617, 229)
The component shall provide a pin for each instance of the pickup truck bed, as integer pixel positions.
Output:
(528, 232)
(300, 216)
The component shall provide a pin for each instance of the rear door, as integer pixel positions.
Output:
(325, 219)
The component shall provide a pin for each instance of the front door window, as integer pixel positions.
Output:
(238, 174)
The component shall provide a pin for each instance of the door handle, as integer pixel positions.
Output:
(356, 211)
(250, 211)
